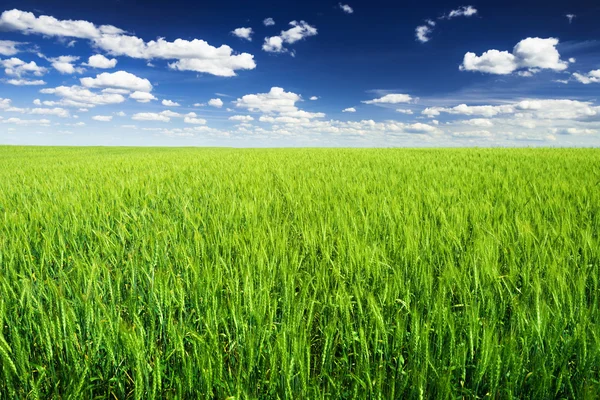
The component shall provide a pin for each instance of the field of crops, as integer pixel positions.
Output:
(299, 273)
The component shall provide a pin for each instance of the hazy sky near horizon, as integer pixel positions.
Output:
(312, 73)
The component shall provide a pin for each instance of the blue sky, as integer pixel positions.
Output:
(319, 73)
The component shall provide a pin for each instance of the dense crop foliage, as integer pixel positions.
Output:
(170, 273)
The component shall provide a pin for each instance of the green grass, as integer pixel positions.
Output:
(311, 273)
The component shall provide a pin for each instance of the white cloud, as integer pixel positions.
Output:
(472, 134)
(4, 103)
(218, 103)
(464, 11)
(102, 118)
(404, 111)
(142, 97)
(241, 118)
(277, 101)
(532, 53)
(17, 67)
(120, 114)
(28, 23)
(541, 109)
(422, 33)
(349, 110)
(480, 122)
(346, 8)
(99, 61)
(117, 91)
(170, 103)
(274, 44)
(590, 77)
(19, 121)
(243, 33)
(269, 22)
(64, 65)
(118, 80)
(58, 112)
(9, 48)
(199, 104)
(574, 131)
(572, 60)
(195, 55)
(420, 128)
(173, 114)
(300, 30)
(570, 17)
(150, 117)
(314, 98)
(25, 82)
(393, 98)
(195, 121)
(77, 96)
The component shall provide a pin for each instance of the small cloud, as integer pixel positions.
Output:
(349, 110)
(346, 8)
(170, 103)
(102, 118)
(393, 98)
(269, 21)
(199, 104)
(404, 111)
(313, 98)
(120, 114)
(218, 103)
(571, 17)
(243, 33)
(464, 11)
(422, 33)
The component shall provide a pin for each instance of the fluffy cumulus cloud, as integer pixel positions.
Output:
(17, 67)
(349, 110)
(392, 98)
(217, 103)
(25, 82)
(539, 109)
(101, 62)
(194, 120)
(170, 103)
(533, 54)
(314, 98)
(147, 116)
(269, 21)
(142, 97)
(243, 33)
(9, 48)
(189, 55)
(118, 80)
(298, 31)
(346, 8)
(590, 77)
(65, 65)
(77, 96)
(241, 118)
(165, 116)
(278, 102)
(102, 118)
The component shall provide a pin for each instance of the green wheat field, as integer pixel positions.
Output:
(150, 273)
